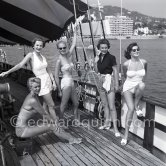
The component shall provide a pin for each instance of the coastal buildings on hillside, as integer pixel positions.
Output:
(118, 26)
(113, 26)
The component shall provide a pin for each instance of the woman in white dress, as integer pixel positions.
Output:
(40, 70)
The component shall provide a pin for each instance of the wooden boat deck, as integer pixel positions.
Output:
(98, 148)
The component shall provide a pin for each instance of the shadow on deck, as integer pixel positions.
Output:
(99, 147)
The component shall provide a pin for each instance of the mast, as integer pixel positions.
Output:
(120, 58)
(91, 31)
(101, 19)
(82, 41)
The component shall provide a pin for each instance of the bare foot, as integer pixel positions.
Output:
(75, 141)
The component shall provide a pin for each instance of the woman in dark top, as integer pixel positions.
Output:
(107, 67)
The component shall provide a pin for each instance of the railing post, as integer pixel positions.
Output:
(149, 126)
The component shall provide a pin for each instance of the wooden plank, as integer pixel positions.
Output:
(42, 156)
(49, 155)
(97, 164)
(77, 157)
(99, 157)
(36, 157)
(72, 155)
(116, 151)
(150, 156)
(100, 149)
(129, 149)
(37, 160)
(59, 157)
(62, 152)
(80, 155)
(109, 151)
(27, 161)
(93, 151)
(85, 153)
(78, 161)
(66, 149)
(114, 139)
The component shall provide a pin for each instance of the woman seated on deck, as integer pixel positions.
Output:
(65, 66)
(134, 70)
(27, 127)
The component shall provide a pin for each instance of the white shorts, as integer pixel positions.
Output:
(66, 82)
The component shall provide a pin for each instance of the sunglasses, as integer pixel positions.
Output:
(134, 50)
(62, 48)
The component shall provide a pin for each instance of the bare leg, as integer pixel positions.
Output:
(74, 99)
(66, 92)
(130, 103)
(51, 106)
(36, 130)
(138, 94)
(45, 106)
(104, 101)
(67, 136)
(113, 113)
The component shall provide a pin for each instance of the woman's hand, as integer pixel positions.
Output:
(3, 74)
(60, 93)
(47, 118)
(54, 85)
(96, 58)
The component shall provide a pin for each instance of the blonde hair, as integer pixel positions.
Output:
(61, 41)
(33, 80)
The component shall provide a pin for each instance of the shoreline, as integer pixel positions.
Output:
(128, 37)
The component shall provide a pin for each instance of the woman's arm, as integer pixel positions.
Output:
(145, 66)
(57, 70)
(35, 104)
(116, 76)
(73, 42)
(18, 66)
(124, 72)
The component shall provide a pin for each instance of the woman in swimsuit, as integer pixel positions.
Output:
(39, 67)
(28, 127)
(65, 66)
(134, 70)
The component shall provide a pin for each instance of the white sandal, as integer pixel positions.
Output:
(123, 142)
(139, 113)
(104, 127)
(117, 134)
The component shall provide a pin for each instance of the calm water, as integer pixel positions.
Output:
(153, 50)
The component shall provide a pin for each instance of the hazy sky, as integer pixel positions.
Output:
(156, 8)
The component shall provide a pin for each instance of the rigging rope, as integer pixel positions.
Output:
(94, 75)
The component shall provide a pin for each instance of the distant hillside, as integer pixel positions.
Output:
(157, 25)
(113, 10)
